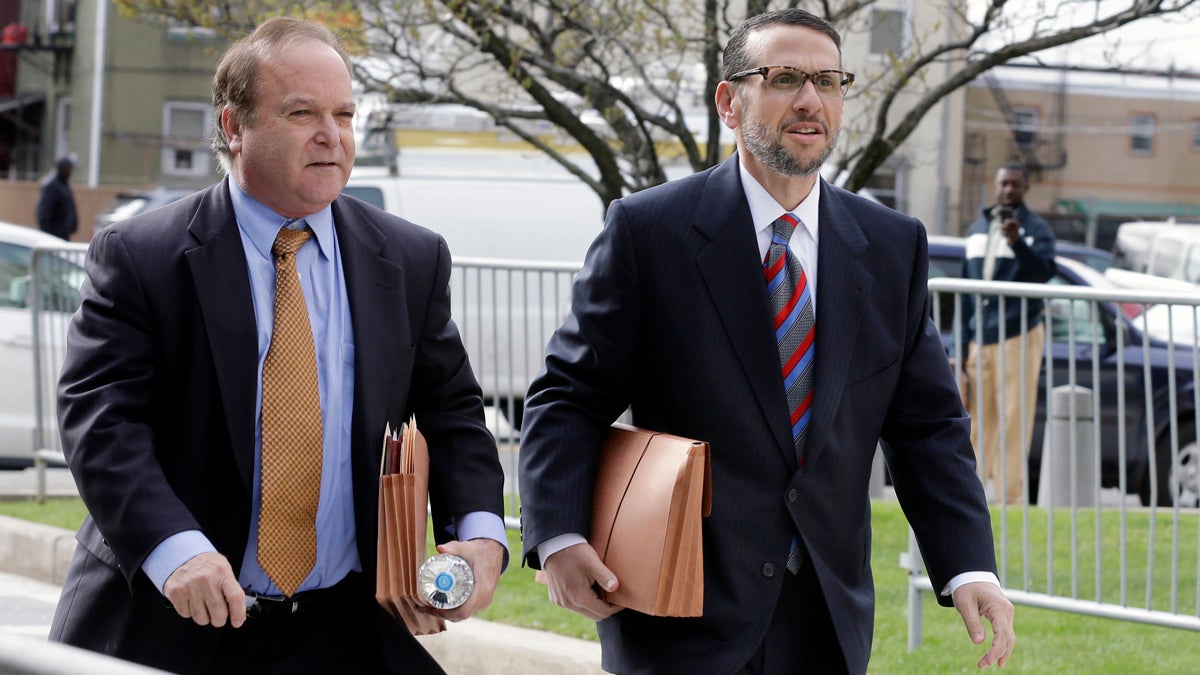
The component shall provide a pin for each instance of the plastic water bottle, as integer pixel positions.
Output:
(446, 580)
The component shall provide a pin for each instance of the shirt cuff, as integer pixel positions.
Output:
(968, 578)
(172, 552)
(555, 544)
(482, 525)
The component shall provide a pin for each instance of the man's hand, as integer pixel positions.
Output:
(205, 590)
(1011, 229)
(984, 599)
(486, 557)
(571, 575)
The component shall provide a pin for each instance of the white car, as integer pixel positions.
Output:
(61, 276)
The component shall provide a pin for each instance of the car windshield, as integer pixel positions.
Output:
(60, 279)
(126, 206)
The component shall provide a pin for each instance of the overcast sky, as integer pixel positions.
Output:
(1153, 44)
(1150, 43)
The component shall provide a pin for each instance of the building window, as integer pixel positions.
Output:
(1196, 135)
(884, 186)
(1025, 126)
(60, 16)
(1141, 135)
(887, 32)
(185, 139)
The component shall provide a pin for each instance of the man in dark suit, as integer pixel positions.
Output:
(162, 389)
(672, 318)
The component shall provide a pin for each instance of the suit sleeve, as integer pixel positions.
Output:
(582, 389)
(928, 449)
(105, 399)
(465, 473)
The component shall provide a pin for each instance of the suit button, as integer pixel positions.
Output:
(768, 570)
(793, 494)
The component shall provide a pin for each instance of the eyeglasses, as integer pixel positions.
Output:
(830, 84)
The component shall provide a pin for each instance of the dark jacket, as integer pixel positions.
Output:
(56, 208)
(1030, 260)
(671, 317)
(156, 405)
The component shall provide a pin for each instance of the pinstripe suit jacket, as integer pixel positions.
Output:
(670, 316)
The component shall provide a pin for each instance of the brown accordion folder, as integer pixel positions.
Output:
(403, 495)
(651, 491)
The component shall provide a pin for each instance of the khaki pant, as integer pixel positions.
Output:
(996, 410)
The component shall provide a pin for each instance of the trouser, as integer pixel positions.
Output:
(800, 638)
(1002, 404)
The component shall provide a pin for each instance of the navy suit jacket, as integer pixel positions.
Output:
(670, 316)
(156, 407)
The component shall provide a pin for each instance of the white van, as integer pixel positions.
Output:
(1156, 256)
(1175, 254)
(375, 186)
(516, 241)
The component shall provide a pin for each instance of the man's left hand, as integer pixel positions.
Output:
(978, 600)
(486, 557)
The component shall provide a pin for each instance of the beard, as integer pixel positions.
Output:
(769, 149)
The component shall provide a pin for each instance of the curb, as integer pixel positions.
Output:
(472, 647)
(35, 551)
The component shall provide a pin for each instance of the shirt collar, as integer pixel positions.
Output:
(764, 210)
(261, 224)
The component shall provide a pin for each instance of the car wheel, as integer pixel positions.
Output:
(1183, 483)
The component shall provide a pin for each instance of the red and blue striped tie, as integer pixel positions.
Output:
(791, 301)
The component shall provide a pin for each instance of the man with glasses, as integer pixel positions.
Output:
(697, 309)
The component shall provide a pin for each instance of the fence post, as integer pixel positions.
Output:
(1068, 475)
(875, 487)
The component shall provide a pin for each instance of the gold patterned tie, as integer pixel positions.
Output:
(291, 429)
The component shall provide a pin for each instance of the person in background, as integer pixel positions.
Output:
(1007, 242)
(56, 205)
(227, 383)
(786, 322)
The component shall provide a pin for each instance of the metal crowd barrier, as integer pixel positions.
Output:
(1095, 553)
(20, 655)
(1088, 544)
(506, 311)
(56, 274)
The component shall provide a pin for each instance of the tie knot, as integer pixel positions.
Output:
(288, 241)
(784, 225)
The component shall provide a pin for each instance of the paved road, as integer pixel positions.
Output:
(24, 483)
(26, 606)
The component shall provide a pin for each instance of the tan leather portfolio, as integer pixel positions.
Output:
(651, 491)
(403, 495)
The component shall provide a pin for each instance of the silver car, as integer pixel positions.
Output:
(58, 291)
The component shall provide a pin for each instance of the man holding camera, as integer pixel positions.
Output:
(1007, 242)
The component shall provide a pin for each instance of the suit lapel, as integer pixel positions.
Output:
(222, 282)
(843, 284)
(733, 278)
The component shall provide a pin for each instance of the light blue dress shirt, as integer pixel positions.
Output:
(319, 265)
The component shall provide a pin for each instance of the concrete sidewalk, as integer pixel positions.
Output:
(472, 647)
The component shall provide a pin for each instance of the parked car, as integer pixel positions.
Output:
(1136, 242)
(129, 204)
(1095, 258)
(1139, 349)
(60, 295)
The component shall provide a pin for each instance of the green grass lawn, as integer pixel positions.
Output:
(1047, 641)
